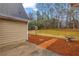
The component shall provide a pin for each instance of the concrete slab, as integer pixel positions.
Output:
(28, 49)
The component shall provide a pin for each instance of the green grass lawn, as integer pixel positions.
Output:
(58, 32)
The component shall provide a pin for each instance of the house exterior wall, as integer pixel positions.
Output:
(13, 31)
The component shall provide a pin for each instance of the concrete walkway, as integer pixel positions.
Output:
(28, 49)
(46, 44)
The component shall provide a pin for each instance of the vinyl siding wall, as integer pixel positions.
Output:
(12, 31)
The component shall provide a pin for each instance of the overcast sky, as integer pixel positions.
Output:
(31, 3)
(26, 5)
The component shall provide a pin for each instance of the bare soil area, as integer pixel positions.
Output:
(57, 45)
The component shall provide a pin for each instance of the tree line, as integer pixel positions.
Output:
(54, 15)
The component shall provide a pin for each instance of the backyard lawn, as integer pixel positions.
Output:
(57, 32)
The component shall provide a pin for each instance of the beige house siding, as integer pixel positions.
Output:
(11, 31)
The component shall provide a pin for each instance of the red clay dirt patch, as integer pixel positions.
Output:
(59, 46)
(65, 48)
(46, 44)
(38, 39)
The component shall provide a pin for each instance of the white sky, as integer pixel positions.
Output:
(31, 3)
(26, 5)
(39, 1)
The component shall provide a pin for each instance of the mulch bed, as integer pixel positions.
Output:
(60, 46)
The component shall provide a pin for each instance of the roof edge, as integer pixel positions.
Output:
(7, 17)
